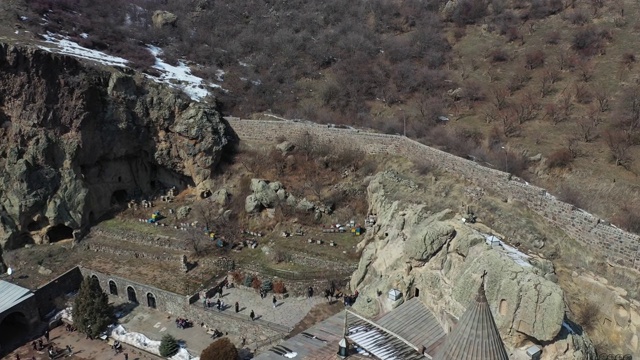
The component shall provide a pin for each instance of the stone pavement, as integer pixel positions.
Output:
(287, 313)
(270, 325)
(83, 349)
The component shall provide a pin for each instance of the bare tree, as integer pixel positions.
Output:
(499, 96)
(619, 143)
(602, 96)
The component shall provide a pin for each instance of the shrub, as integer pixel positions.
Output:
(469, 11)
(578, 17)
(628, 218)
(583, 95)
(221, 349)
(248, 280)
(256, 283)
(237, 276)
(267, 285)
(560, 158)
(553, 37)
(587, 315)
(168, 346)
(498, 55)
(534, 59)
(279, 288)
(586, 41)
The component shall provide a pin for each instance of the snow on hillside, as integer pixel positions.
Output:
(142, 342)
(180, 77)
(516, 255)
(67, 47)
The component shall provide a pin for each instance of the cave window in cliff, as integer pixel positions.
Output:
(119, 197)
(59, 232)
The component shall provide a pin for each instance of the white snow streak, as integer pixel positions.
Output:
(180, 77)
(68, 47)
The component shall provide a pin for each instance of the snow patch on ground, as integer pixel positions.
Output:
(516, 255)
(220, 75)
(180, 77)
(142, 342)
(68, 47)
(84, 35)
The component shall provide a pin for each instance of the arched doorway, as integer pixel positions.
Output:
(13, 330)
(113, 288)
(151, 300)
(131, 294)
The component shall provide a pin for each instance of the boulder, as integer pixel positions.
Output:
(412, 248)
(305, 205)
(251, 204)
(285, 147)
(162, 18)
(221, 197)
(183, 212)
(282, 195)
(264, 193)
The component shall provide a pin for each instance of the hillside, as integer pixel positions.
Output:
(515, 78)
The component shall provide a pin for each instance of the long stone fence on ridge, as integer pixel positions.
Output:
(619, 246)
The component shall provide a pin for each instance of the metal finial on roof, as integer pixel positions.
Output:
(482, 297)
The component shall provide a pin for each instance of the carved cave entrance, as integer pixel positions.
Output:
(119, 197)
(13, 329)
(131, 295)
(113, 288)
(151, 300)
(59, 232)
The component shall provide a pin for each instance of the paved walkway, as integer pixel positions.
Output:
(287, 313)
(83, 349)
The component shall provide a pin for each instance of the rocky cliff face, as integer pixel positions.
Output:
(76, 139)
(440, 258)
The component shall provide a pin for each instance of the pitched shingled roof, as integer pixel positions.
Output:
(475, 336)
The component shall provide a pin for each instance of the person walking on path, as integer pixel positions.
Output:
(237, 307)
(204, 303)
(220, 292)
(252, 315)
(126, 356)
(69, 349)
(275, 301)
(35, 346)
(46, 335)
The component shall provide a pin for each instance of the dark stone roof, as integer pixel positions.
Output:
(475, 336)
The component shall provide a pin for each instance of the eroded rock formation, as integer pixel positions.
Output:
(440, 258)
(75, 139)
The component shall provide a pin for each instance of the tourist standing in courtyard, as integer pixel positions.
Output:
(46, 335)
(252, 315)
(237, 307)
(274, 301)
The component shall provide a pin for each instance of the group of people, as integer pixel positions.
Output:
(183, 323)
(51, 350)
(349, 300)
(70, 328)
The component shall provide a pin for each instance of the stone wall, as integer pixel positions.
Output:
(166, 301)
(618, 246)
(62, 285)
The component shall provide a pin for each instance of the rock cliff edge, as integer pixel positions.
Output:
(434, 255)
(77, 139)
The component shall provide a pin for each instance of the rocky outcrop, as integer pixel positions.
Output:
(77, 139)
(414, 249)
(162, 18)
(266, 195)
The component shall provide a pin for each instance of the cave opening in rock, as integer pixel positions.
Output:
(119, 197)
(59, 232)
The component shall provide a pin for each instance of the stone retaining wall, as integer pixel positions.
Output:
(617, 245)
(166, 301)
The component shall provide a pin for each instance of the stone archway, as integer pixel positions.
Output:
(113, 288)
(151, 300)
(131, 295)
(14, 329)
